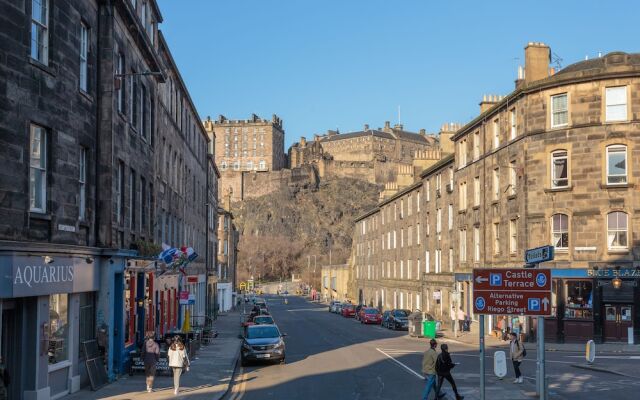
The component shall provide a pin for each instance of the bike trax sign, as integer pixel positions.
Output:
(539, 254)
(512, 291)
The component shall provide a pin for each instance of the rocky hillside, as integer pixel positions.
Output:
(279, 230)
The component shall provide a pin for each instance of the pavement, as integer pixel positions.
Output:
(209, 376)
(331, 357)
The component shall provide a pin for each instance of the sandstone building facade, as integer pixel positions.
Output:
(106, 160)
(252, 145)
(554, 162)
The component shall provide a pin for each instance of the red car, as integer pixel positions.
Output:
(370, 316)
(349, 311)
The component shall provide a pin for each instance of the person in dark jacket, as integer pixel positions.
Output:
(444, 365)
(151, 355)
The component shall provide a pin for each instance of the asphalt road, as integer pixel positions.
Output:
(331, 357)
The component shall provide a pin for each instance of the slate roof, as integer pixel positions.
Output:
(416, 137)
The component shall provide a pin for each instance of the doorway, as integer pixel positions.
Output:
(618, 318)
(11, 345)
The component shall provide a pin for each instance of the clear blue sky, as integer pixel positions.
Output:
(342, 63)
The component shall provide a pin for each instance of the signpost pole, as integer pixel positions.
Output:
(542, 377)
(482, 364)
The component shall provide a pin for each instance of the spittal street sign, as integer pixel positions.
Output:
(539, 255)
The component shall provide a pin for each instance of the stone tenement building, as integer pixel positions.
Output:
(381, 156)
(252, 145)
(105, 159)
(555, 162)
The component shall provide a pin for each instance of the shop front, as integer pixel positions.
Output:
(597, 303)
(48, 307)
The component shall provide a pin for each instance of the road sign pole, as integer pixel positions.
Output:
(482, 366)
(542, 377)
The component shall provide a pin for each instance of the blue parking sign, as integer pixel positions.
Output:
(495, 279)
(534, 304)
(480, 303)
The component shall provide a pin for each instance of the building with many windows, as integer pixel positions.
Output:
(252, 145)
(554, 162)
(90, 104)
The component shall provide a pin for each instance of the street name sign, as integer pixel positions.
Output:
(538, 255)
(512, 291)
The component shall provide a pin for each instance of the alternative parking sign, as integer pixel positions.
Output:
(512, 291)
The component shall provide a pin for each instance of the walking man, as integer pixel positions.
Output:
(429, 369)
(452, 315)
(461, 317)
(516, 351)
(444, 365)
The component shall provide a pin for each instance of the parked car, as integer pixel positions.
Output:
(263, 320)
(398, 320)
(339, 308)
(348, 310)
(370, 315)
(332, 305)
(262, 343)
(358, 308)
(262, 303)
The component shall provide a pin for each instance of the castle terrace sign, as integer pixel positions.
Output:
(512, 291)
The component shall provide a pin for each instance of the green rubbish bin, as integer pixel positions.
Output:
(429, 329)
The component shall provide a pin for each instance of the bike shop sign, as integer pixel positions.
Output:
(512, 291)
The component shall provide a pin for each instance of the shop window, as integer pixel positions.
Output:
(87, 318)
(58, 328)
(579, 295)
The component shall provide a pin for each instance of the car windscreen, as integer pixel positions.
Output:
(400, 313)
(370, 311)
(263, 320)
(262, 332)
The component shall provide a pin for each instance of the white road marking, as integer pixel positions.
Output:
(399, 351)
(402, 365)
(324, 309)
(611, 357)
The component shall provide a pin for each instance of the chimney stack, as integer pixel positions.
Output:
(488, 102)
(366, 127)
(387, 126)
(537, 56)
(423, 132)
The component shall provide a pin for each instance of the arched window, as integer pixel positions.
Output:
(249, 165)
(236, 165)
(223, 165)
(616, 164)
(560, 231)
(617, 232)
(262, 164)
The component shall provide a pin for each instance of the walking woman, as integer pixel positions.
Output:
(516, 351)
(151, 355)
(444, 365)
(178, 360)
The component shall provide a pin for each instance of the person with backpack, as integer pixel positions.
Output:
(517, 353)
(429, 369)
(150, 357)
(444, 365)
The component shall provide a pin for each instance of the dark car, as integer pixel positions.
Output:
(370, 315)
(398, 320)
(262, 343)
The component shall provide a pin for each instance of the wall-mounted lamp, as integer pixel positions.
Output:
(48, 259)
(616, 282)
(89, 260)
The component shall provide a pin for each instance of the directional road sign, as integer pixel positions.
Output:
(512, 291)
